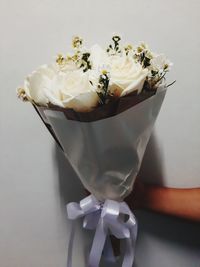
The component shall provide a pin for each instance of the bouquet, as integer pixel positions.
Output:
(100, 106)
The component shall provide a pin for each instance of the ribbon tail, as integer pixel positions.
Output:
(129, 254)
(130, 248)
(98, 245)
(70, 245)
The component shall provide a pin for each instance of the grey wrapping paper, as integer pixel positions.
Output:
(106, 154)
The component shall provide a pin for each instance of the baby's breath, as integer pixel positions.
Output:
(128, 48)
(77, 42)
(80, 57)
(143, 55)
(104, 72)
(155, 78)
(103, 87)
(85, 62)
(129, 68)
(115, 47)
(22, 94)
(60, 60)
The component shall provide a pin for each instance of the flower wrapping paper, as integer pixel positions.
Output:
(106, 153)
(100, 105)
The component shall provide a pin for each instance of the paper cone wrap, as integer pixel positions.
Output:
(106, 146)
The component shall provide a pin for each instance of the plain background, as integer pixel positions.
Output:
(36, 181)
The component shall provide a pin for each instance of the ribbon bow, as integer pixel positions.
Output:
(107, 218)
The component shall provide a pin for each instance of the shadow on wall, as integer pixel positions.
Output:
(175, 241)
(71, 190)
(171, 229)
(70, 186)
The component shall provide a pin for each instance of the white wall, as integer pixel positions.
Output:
(32, 32)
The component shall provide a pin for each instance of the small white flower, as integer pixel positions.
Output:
(160, 62)
(104, 69)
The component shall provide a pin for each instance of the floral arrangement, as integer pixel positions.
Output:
(100, 106)
(91, 77)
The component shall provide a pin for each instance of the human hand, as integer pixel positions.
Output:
(136, 198)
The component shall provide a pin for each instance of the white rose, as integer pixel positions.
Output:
(126, 75)
(38, 85)
(77, 92)
(70, 90)
(98, 57)
(68, 65)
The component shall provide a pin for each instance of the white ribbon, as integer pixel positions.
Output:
(107, 218)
